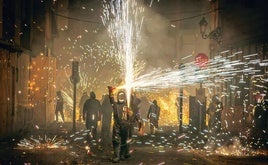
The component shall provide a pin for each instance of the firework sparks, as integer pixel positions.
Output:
(42, 143)
(237, 149)
(219, 68)
(124, 22)
(124, 30)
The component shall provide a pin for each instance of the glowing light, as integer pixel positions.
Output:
(237, 149)
(42, 143)
(124, 30)
(220, 68)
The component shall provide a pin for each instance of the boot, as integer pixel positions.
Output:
(116, 157)
(127, 154)
(122, 157)
(122, 152)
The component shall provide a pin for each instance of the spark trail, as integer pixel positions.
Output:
(220, 69)
(42, 142)
(125, 21)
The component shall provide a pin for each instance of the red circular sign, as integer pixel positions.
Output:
(201, 60)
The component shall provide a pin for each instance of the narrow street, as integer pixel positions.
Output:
(57, 145)
(197, 70)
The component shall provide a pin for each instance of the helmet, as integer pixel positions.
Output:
(121, 96)
(58, 92)
(92, 95)
(215, 99)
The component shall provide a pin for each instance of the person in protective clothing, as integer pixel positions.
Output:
(122, 124)
(81, 104)
(106, 112)
(214, 111)
(153, 116)
(135, 119)
(59, 106)
(260, 123)
(91, 113)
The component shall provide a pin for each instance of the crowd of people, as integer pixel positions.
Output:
(118, 118)
(125, 119)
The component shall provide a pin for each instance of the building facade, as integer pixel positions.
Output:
(24, 37)
(243, 39)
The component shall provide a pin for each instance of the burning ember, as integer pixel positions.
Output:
(42, 143)
(237, 149)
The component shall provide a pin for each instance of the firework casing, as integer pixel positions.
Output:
(111, 91)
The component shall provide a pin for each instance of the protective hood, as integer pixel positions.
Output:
(121, 97)
(92, 95)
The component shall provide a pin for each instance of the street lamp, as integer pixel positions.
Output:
(216, 34)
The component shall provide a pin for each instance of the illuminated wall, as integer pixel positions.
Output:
(42, 91)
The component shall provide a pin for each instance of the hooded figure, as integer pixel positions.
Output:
(260, 122)
(106, 113)
(122, 125)
(59, 106)
(214, 111)
(91, 113)
(81, 104)
(136, 117)
(153, 116)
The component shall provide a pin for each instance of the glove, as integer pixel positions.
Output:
(129, 112)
